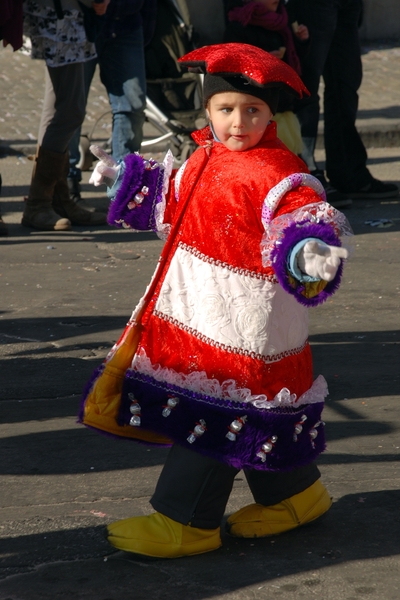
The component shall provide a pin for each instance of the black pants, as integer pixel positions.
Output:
(195, 489)
(335, 54)
(63, 106)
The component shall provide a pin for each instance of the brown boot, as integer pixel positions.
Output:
(64, 205)
(38, 212)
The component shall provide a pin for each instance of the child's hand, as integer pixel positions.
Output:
(319, 260)
(302, 33)
(106, 170)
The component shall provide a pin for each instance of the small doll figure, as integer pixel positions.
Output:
(215, 359)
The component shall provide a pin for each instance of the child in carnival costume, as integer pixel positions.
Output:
(215, 358)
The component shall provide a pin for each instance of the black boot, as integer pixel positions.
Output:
(74, 189)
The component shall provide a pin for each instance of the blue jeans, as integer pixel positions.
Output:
(334, 54)
(122, 72)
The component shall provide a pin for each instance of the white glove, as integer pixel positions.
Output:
(106, 170)
(319, 260)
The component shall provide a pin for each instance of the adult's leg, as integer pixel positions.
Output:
(63, 112)
(122, 71)
(346, 156)
(65, 205)
(64, 106)
(74, 175)
(320, 16)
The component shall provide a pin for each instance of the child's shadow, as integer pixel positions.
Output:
(334, 552)
(359, 527)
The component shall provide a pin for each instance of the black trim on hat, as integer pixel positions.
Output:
(215, 84)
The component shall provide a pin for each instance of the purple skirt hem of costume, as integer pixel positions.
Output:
(202, 423)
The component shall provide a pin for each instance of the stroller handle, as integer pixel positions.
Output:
(162, 138)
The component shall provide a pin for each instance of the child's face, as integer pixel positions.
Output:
(239, 120)
(271, 5)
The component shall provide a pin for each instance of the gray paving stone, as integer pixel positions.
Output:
(64, 300)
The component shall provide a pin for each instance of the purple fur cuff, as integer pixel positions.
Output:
(138, 195)
(308, 294)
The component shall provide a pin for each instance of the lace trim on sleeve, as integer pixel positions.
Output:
(178, 178)
(318, 212)
(163, 229)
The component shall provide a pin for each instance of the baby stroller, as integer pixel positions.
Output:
(173, 96)
(173, 101)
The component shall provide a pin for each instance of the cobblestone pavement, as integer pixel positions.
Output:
(64, 300)
(22, 88)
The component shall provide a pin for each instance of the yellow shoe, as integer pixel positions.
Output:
(257, 520)
(157, 535)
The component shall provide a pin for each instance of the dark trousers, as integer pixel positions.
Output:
(63, 106)
(194, 489)
(334, 54)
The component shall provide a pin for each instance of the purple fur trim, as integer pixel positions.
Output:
(137, 174)
(292, 235)
(88, 387)
(132, 178)
(151, 399)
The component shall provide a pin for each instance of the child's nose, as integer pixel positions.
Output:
(239, 119)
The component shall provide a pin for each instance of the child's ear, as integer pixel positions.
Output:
(208, 115)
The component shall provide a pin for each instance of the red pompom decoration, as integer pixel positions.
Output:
(257, 66)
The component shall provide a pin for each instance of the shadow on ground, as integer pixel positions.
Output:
(339, 537)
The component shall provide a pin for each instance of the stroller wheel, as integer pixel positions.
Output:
(86, 157)
(187, 149)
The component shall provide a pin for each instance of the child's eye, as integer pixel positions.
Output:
(226, 110)
(252, 109)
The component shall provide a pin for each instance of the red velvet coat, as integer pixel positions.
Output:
(223, 363)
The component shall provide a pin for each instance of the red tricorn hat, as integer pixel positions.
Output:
(258, 67)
